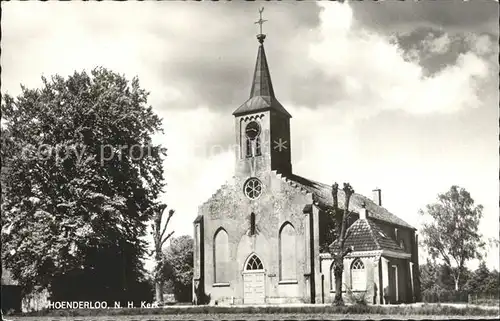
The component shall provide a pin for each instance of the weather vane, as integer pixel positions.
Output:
(260, 21)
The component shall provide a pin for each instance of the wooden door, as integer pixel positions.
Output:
(254, 288)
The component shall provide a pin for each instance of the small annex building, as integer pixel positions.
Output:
(262, 237)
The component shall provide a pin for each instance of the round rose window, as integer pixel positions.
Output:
(253, 188)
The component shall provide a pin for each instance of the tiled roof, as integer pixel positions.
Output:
(366, 235)
(384, 241)
(322, 194)
(262, 93)
(359, 237)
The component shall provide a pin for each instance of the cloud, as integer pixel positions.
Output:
(178, 58)
(359, 65)
(439, 45)
(395, 126)
(455, 16)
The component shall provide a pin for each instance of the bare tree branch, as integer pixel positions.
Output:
(342, 220)
(159, 241)
(166, 238)
(170, 214)
(347, 251)
(348, 192)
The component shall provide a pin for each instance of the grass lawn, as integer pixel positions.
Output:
(305, 312)
(252, 317)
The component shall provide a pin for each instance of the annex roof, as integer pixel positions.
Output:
(367, 235)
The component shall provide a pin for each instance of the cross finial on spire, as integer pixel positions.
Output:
(261, 36)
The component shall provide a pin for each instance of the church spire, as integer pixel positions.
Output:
(261, 84)
(262, 93)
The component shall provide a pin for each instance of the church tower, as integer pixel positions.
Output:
(262, 125)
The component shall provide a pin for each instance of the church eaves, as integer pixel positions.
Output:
(322, 195)
(262, 93)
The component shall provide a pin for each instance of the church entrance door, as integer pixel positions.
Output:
(254, 281)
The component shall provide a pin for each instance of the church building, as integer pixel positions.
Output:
(260, 239)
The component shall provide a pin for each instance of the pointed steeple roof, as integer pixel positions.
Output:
(262, 92)
(261, 84)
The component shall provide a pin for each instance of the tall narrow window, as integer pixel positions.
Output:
(252, 224)
(332, 278)
(287, 249)
(249, 147)
(252, 132)
(197, 250)
(221, 256)
(258, 149)
(358, 275)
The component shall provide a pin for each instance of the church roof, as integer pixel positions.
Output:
(367, 235)
(260, 103)
(262, 93)
(322, 196)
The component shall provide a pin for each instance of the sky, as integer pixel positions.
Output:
(402, 96)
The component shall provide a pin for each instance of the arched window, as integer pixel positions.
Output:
(197, 252)
(287, 249)
(358, 275)
(254, 263)
(221, 256)
(254, 143)
(252, 223)
(252, 133)
(332, 278)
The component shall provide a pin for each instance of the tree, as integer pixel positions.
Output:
(434, 275)
(338, 250)
(428, 275)
(484, 282)
(492, 284)
(438, 285)
(452, 233)
(159, 239)
(178, 266)
(493, 242)
(479, 279)
(82, 173)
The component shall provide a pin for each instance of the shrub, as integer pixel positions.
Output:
(437, 294)
(358, 298)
